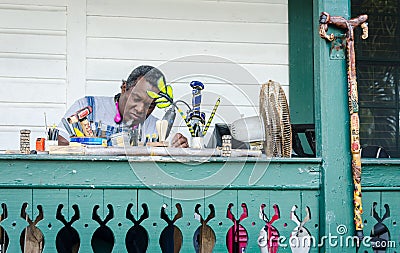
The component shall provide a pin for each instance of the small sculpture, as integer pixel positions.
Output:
(268, 240)
(380, 233)
(300, 238)
(204, 237)
(32, 239)
(236, 238)
(171, 237)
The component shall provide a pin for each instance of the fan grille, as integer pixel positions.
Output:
(274, 111)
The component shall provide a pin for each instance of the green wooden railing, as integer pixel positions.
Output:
(117, 181)
(88, 181)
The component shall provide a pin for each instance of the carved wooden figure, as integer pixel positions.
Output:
(4, 239)
(204, 237)
(32, 239)
(300, 238)
(137, 238)
(171, 237)
(103, 238)
(67, 239)
(355, 147)
(380, 233)
(268, 240)
(236, 238)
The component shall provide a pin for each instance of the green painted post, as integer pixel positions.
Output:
(332, 129)
(301, 87)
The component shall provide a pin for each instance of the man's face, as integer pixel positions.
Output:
(135, 105)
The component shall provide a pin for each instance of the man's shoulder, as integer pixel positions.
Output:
(102, 98)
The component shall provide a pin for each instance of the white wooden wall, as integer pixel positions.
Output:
(53, 52)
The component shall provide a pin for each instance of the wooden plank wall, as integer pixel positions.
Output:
(33, 59)
(53, 52)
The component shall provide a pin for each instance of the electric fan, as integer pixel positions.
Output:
(274, 111)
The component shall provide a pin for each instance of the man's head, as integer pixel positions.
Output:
(134, 104)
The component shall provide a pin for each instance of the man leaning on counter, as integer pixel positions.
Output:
(131, 107)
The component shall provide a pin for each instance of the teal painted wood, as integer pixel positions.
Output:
(301, 89)
(381, 174)
(332, 131)
(100, 181)
(51, 172)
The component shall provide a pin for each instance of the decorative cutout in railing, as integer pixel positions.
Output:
(171, 236)
(67, 240)
(32, 239)
(103, 238)
(268, 241)
(380, 233)
(71, 240)
(4, 239)
(300, 236)
(204, 237)
(236, 238)
(137, 238)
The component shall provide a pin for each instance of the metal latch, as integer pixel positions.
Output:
(338, 46)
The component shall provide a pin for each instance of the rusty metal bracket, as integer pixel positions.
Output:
(338, 47)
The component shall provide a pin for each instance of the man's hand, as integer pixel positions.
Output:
(179, 141)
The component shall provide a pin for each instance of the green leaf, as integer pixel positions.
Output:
(162, 100)
(161, 85)
(163, 105)
(152, 94)
(169, 92)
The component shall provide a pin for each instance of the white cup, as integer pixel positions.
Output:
(197, 142)
(48, 143)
